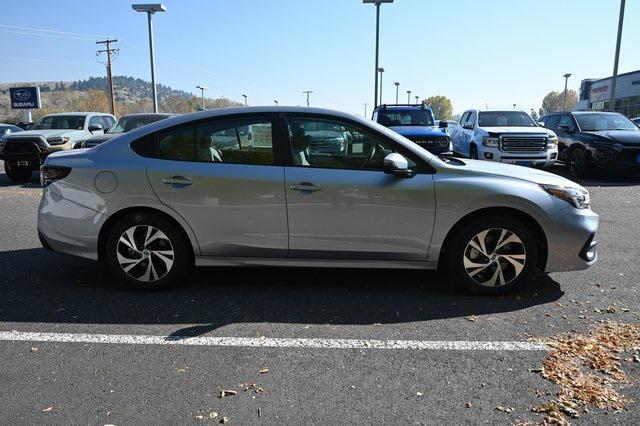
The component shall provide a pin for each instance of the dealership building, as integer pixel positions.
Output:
(595, 94)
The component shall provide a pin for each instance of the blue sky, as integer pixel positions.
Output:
(493, 52)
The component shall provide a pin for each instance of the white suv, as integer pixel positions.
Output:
(505, 136)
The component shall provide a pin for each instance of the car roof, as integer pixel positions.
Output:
(150, 114)
(402, 106)
(77, 113)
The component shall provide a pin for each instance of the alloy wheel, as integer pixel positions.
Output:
(145, 253)
(494, 257)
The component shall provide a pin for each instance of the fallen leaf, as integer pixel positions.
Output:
(34, 349)
(471, 318)
(263, 370)
(47, 409)
(224, 420)
(504, 409)
(225, 392)
(468, 405)
(213, 415)
(419, 393)
(198, 417)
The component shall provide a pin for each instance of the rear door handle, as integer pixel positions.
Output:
(177, 180)
(305, 186)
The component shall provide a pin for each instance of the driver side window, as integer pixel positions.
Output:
(337, 145)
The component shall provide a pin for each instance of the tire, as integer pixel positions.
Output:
(18, 174)
(148, 252)
(579, 163)
(473, 152)
(496, 271)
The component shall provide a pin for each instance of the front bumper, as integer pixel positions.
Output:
(571, 240)
(625, 160)
(535, 159)
(67, 227)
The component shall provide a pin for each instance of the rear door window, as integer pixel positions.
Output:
(177, 144)
(552, 122)
(243, 141)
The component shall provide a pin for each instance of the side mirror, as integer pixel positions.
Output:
(443, 124)
(95, 127)
(565, 129)
(541, 123)
(467, 126)
(396, 164)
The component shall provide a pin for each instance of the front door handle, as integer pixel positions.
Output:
(177, 180)
(305, 186)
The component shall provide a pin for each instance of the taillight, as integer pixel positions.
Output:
(50, 174)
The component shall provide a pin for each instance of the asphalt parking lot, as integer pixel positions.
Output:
(124, 382)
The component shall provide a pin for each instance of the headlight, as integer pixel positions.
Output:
(552, 141)
(487, 141)
(577, 197)
(58, 140)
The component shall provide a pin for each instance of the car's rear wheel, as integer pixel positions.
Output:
(473, 152)
(18, 174)
(148, 252)
(579, 163)
(492, 255)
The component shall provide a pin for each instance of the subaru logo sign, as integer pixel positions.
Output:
(25, 97)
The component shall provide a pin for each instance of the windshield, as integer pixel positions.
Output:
(595, 122)
(406, 117)
(61, 122)
(127, 124)
(505, 119)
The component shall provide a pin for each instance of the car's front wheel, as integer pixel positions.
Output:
(18, 174)
(148, 252)
(492, 255)
(579, 163)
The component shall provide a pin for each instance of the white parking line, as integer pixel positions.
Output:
(271, 342)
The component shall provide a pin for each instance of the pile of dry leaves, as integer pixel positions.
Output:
(586, 367)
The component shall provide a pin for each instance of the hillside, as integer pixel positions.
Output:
(131, 94)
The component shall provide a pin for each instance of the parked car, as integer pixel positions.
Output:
(25, 151)
(591, 139)
(449, 127)
(24, 125)
(126, 123)
(5, 131)
(416, 123)
(636, 121)
(162, 198)
(506, 137)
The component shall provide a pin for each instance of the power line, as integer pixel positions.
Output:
(50, 31)
(46, 35)
(62, 61)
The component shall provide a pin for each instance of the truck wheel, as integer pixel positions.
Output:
(148, 252)
(18, 174)
(473, 152)
(579, 163)
(492, 255)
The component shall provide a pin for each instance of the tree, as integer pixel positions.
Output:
(441, 106)
(554, 100)
(93, 100)
(534, 115)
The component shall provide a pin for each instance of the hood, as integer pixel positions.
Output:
(510, 129)
(624, 137)
(518, 172)
(416, 131)
(48, 133)
(102, 138)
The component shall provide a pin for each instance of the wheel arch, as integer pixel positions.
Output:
(527, 220)
(116, 217)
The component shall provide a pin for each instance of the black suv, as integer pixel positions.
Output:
(593, 139)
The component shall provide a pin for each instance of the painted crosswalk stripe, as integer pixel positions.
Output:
(273, 342)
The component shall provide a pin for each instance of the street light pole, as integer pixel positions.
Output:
(202, 89)
(564, 99)
(275, 102)
(381, 70)
(365, 109)
(417, 97)
(615, 61)
(150, 9)
(397, 87)
(408, 96)
(377, 3)
(245, 99)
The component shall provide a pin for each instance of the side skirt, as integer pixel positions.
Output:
(312, 263)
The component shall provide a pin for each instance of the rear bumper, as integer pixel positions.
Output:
(67, 227)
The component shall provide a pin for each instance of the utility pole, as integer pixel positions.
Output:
(408, 96)
(202, 89)
(397, 83)
(417, 97)
(365, 109)
(109, 51)
(564, 99)
(377, 4)
(615, 61)
(307, 92)
(245, 99)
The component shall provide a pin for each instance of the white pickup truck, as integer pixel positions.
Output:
(504, 136)
(23, 152)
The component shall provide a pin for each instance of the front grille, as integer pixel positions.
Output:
(24, 150)
(524, 144)
(441, 142)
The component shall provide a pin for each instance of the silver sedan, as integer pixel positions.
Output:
(253, 186)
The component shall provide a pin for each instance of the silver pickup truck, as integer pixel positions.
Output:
(24, 152)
